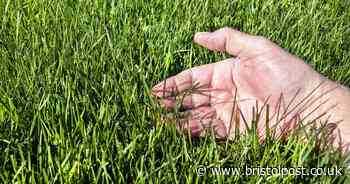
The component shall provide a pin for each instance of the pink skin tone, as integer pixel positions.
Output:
(259, 73)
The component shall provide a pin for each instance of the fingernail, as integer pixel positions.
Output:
(199, 35)
(158, 86)
(202, 37)
(155, 90)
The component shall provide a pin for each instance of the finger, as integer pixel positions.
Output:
(190, 101)
(174, 85)
(197, 77)
(229, 40)
(168, 103)
(202, 127)
(199, 113)
(205, 112)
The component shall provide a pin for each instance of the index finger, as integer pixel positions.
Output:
(183, 81)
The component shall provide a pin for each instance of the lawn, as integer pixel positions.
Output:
(75, 80)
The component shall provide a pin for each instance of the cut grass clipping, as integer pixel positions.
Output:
(75, 80)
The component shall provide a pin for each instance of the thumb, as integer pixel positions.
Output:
(231, 41)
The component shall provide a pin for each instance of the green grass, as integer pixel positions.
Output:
(75, 79)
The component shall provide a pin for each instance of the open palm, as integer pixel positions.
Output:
(262, 74)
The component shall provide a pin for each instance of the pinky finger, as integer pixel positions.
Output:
(203, 127)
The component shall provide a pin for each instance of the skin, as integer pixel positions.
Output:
(261, 75)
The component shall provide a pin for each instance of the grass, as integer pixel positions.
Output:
(75, 79)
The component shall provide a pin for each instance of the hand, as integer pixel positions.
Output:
(261, 75)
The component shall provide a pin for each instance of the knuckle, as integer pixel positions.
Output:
(262, 40)
(226, 29)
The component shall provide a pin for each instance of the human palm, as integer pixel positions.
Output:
(219, 95)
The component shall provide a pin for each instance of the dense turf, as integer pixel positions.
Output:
(75, 78)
